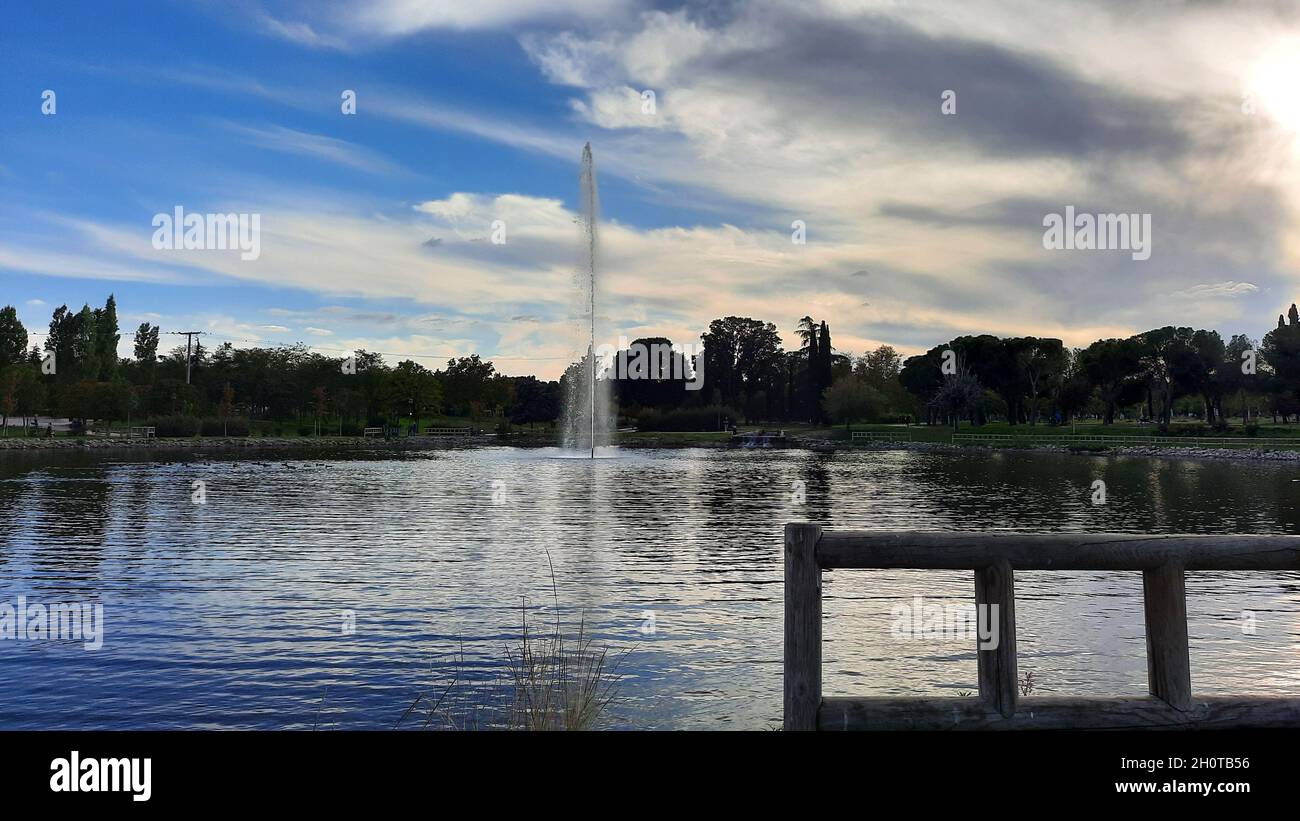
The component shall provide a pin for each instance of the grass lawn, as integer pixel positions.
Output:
(633, 437)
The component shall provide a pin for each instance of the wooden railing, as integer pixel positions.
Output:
(446, 431)
(872, 436)
(1163, 561)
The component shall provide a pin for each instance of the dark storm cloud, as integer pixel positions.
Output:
(885, 76)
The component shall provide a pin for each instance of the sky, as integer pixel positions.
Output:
(920, 144)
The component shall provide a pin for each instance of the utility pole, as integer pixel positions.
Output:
(189, 337)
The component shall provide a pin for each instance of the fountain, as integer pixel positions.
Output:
(588, 418)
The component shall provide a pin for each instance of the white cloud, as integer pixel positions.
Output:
(403, 17)
(301, 33)
(318, 146)
(1214, 290)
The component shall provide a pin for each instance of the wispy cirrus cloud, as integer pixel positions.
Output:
(318, 146)
(343, 25)
(1213, 290)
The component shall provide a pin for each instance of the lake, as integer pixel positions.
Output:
(234, 613)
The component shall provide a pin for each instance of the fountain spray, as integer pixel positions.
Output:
(589, 189)
(589, 413)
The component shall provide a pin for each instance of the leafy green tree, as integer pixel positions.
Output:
(227, 408)
(1281, 349)
(921, 376)
(1199, 371)
(106, 339)
(992, 361)
(1114, 367)
(1232, 377)
(112, 400)
(879, 367)
(85, 345)
(415, 389)
(742, 357)
(851, 399)
(823, 370)
(1042, 364)
(61, 341)
(534, 401)
(146, 350)
(9, 393)
(13, 337)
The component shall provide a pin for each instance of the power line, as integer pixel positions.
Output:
(189, 358)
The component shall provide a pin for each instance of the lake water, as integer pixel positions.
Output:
(230, 614)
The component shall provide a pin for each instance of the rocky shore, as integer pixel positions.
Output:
(243, 443)
(1247, 454)
(353, 444)
(1149, 451)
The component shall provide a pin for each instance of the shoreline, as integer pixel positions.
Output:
(1144, 451)
(233, 443)
(355, 444)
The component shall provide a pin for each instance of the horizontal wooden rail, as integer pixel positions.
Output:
(995, 557)
(1051, 713)
(1053, 551)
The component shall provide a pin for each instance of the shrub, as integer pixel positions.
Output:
(177, 426)
(234, 426)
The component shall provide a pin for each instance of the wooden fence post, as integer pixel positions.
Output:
(803, 627)
(1169, 667)
(995, 585)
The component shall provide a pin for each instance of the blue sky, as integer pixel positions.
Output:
(375, 226)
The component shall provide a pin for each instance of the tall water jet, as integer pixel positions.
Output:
(588, 401)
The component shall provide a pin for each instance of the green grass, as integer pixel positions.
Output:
(633, 437)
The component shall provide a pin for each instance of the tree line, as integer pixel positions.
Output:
(1150, 376)
(290, 385)
(748, 376)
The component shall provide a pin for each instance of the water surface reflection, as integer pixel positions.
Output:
(229, 614)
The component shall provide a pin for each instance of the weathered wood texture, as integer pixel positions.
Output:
(1055, 551)
(803, 627)
(1163, 561)
(1169, 666)
(995, 588)
(1051, 713)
